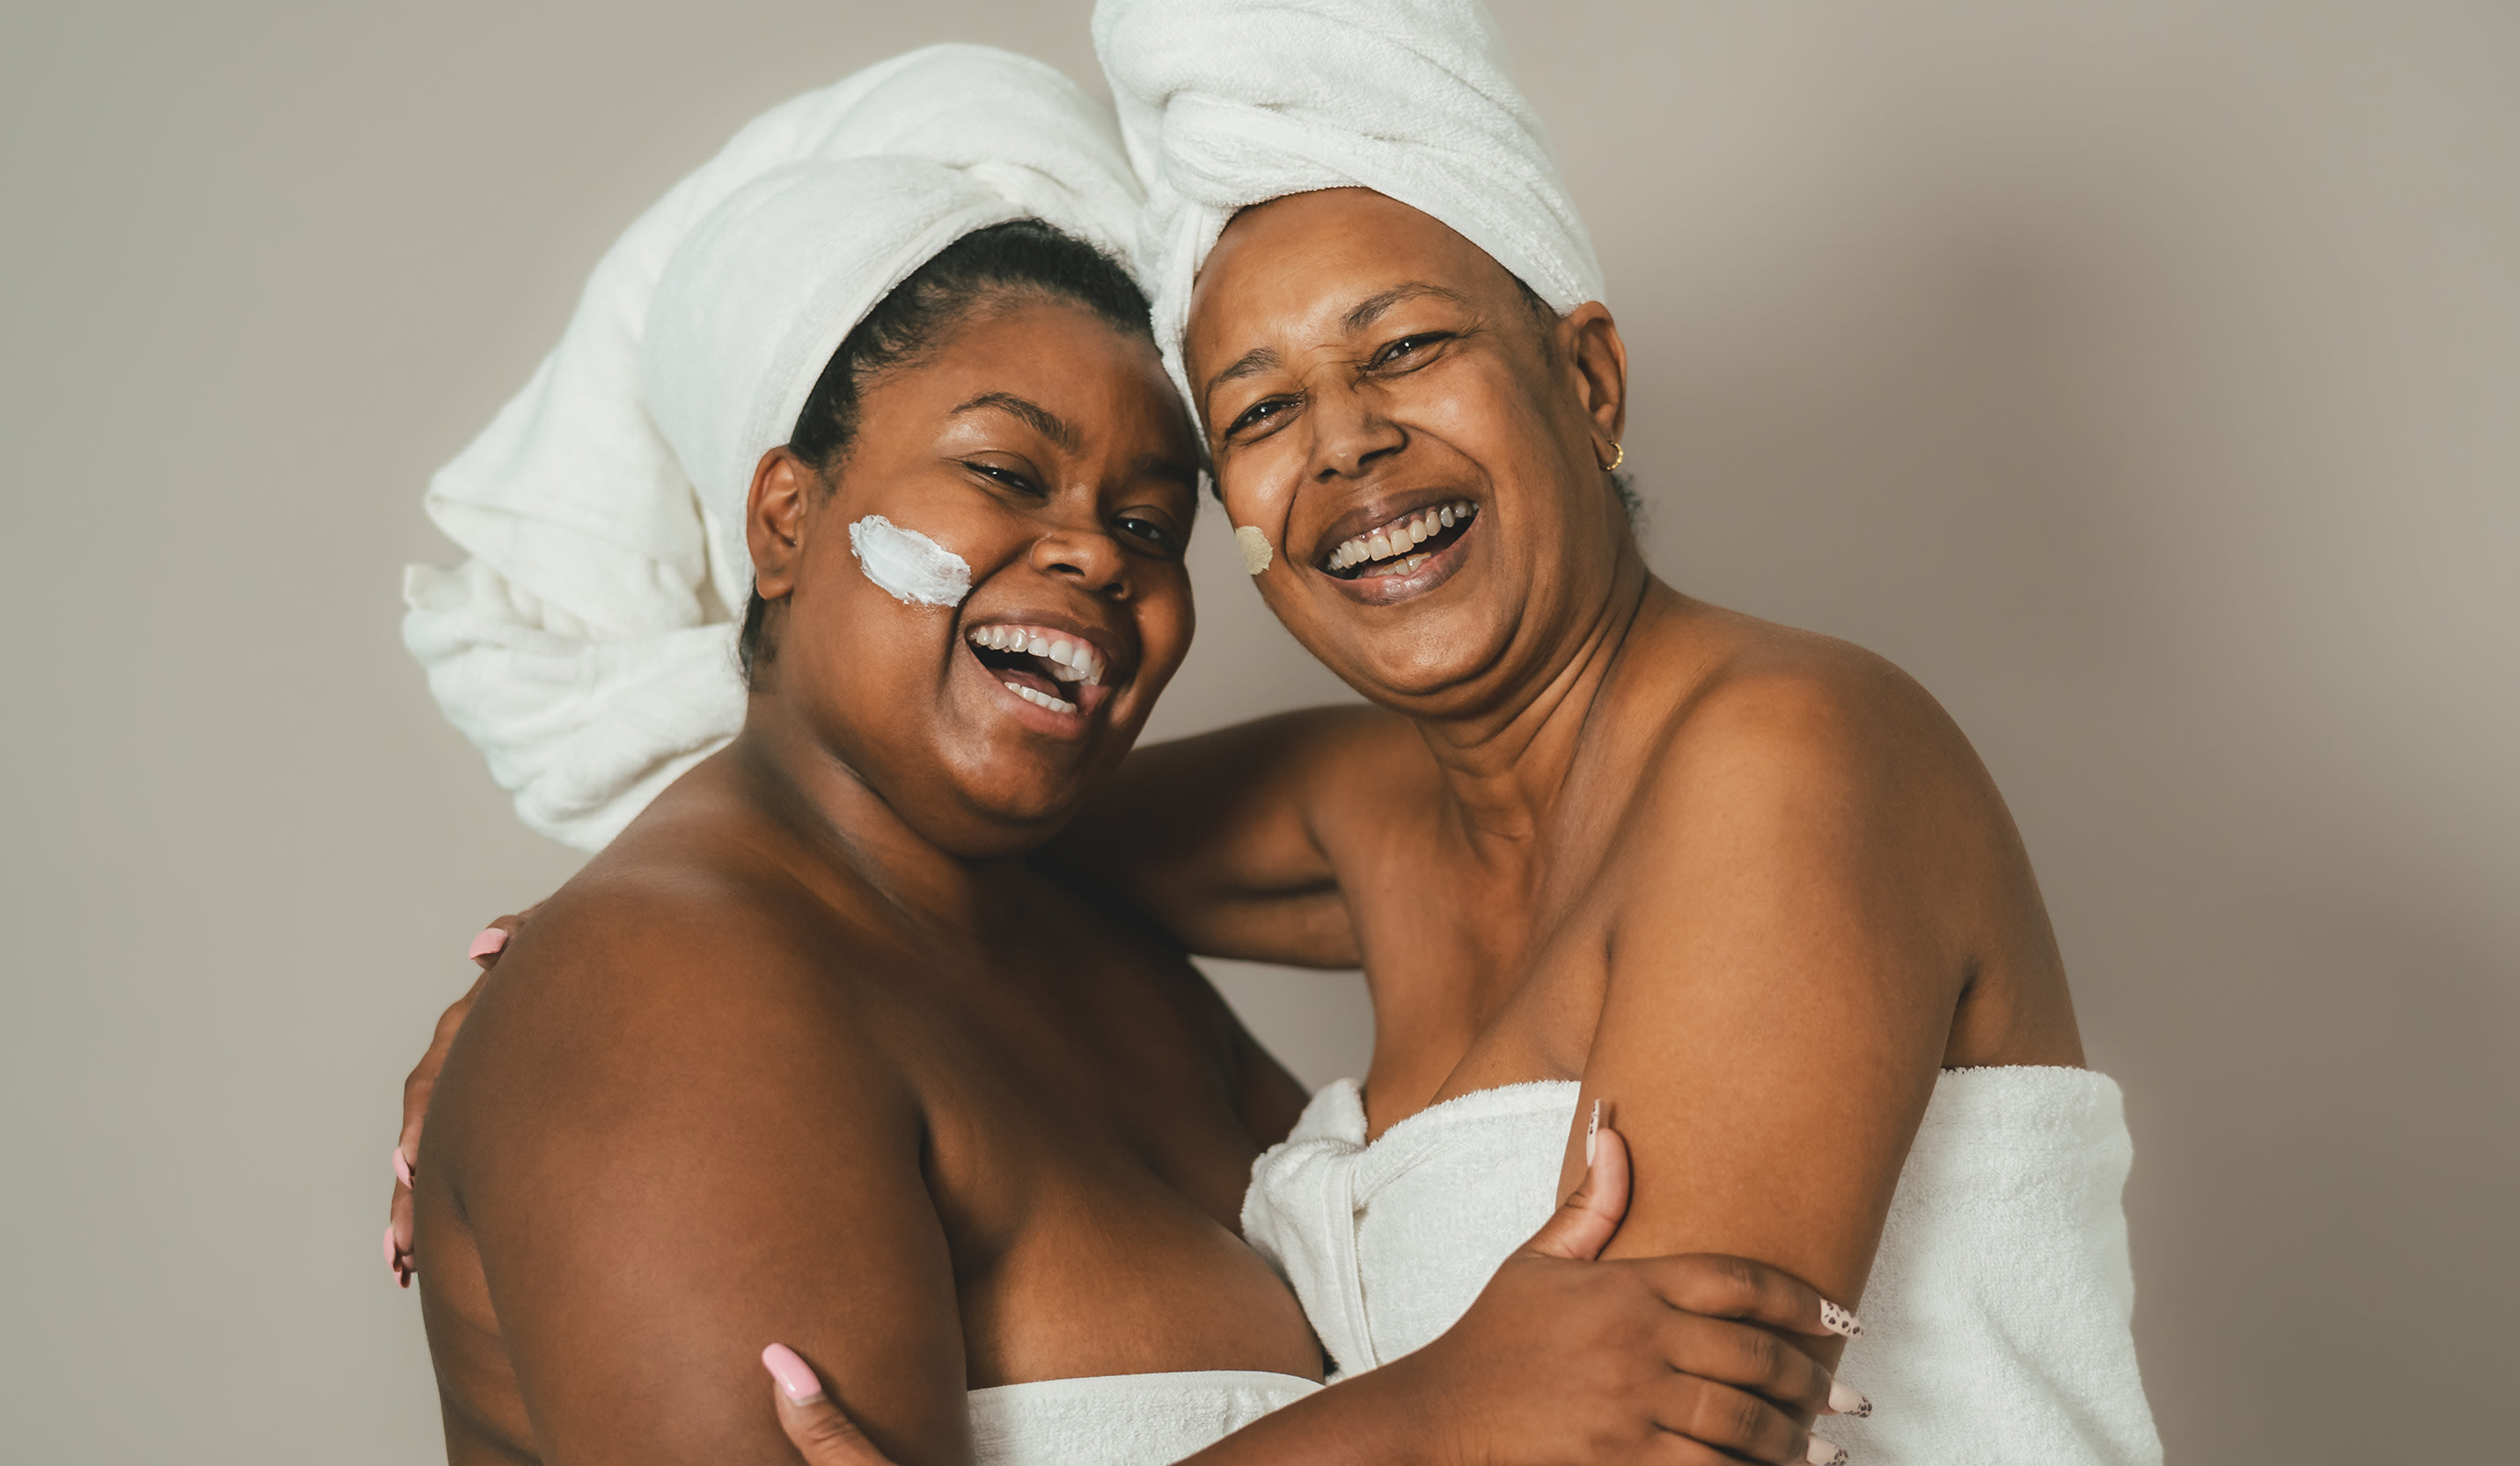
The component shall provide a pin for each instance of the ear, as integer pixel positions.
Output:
(784, 487)
(1598, 362)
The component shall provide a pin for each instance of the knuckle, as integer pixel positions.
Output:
(1763, 1357)
(1725, 1417)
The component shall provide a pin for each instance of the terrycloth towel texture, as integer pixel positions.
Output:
(1122, 1419)
(1997, 1320)
(1232, 103)
(587, 648)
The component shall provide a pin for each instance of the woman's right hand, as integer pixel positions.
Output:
(423, 1078)
(1567, 1358)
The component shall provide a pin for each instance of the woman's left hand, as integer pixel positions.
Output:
(821, 1431)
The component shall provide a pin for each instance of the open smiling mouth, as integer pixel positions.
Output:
(1053, 670)
(1403, 546)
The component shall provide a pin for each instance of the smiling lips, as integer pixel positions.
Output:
(1035, 661)
(1402, 544)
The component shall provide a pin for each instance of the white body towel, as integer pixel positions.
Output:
(1122, 1419)
(588, 647)
(1230, 102)
(1997, 1320)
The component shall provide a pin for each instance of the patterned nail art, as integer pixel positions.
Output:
(1838, 1320)
(1591, 1133)
(1845, 1400)
(1823, 1453)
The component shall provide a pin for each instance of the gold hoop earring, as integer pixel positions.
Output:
(1619, 456)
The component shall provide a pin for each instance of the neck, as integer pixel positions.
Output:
(844, 829)
(1505, 766)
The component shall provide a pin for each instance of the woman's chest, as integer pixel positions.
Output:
(1481, 976)
(1088, 1163)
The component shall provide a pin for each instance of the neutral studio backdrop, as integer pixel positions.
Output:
(2143, 377)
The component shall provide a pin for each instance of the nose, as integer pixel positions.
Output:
(1090, 558)
(1350, 431)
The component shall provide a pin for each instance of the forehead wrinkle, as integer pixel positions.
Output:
(1032, 415)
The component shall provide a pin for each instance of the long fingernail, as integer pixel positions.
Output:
(1838, 1320)
(1821, 1454)
(487, 944)
(1592, 1134)
(795, 1377)
(402, 1168)
(1844, 1399)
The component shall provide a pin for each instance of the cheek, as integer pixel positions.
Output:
(1258, 485)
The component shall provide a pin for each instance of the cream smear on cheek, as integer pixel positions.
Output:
(911, 567)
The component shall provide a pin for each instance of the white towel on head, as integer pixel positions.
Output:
(1231, 102)
(587, 648)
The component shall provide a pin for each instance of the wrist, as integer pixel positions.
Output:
(1417, 1418)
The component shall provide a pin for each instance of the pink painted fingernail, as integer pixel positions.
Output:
(1592, 1134)
(1838, 1320)
(1823, 1453)
(1844, 1399)
(402, 1168)
(487, 944)
(795, 1377)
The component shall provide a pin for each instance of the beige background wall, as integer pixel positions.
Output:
(2144, 376)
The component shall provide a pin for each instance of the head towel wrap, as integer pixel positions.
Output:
(1231, 102)
(587, 647)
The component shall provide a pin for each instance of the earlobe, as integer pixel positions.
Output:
(774, 519)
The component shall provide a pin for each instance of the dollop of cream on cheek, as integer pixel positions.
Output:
(1254, 545)
(911, 567)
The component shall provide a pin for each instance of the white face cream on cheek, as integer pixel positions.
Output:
(1253, 542)
(911, 567)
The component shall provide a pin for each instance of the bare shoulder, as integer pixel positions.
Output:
(1778, 715)
(660, 972)
(1816, 781)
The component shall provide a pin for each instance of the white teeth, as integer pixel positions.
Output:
(1039, 699)
(1400, 539)
(1069, 661)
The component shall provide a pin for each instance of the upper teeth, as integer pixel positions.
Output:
(1069, 660)
(1393, 540)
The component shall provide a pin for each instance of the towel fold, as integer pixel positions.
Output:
(587, 648)
(1231, 102)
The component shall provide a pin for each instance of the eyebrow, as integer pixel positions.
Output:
(1251, 363)
(1370, 310)
(1033, 415)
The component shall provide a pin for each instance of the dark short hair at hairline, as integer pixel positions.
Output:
(1018, 259)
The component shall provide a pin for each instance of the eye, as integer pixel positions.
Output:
(1259, 414)
(1405, 352)
(1002, 476)
(1149, 531)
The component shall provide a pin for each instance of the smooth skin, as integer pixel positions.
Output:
(810, 1053)
(1749, 886)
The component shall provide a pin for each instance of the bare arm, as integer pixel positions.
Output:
(1813, 875)
(1213, 838)
(670, 1148)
